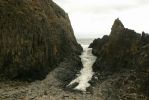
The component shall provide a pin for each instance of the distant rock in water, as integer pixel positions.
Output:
(124, 52)
(35, 35)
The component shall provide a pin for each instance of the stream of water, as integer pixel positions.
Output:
(86, 72)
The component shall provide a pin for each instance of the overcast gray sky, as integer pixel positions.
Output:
(94, 18)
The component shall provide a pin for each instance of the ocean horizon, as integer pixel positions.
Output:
(85, 41)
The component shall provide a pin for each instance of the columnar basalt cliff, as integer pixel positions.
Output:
(35, 36)
(123, 56)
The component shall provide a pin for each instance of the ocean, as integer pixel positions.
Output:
(85, 42)
(86, 72)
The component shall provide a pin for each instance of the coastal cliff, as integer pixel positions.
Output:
(123, 62)
(35, 36)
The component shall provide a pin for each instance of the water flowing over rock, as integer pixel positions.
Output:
(35, 36)
(123, 56)
(86, 72)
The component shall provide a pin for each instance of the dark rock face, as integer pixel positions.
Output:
(35, 35)
(118, 49)
(68, 69)
(124, 52)
(98, 44)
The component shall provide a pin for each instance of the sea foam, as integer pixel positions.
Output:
(86, 72)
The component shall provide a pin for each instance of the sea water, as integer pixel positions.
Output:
(86, 72)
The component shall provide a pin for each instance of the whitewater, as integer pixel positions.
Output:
(86, 72)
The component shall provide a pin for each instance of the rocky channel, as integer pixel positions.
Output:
(40, 57)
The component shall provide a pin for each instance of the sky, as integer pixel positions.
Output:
(94, 18)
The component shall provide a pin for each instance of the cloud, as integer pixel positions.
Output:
(143, 2)
(99, 5)
(95, 18)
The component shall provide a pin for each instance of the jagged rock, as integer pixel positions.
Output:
(98, 44)
(145, 38)
(124, 50)
(118, 49)
(118, 25)
(35, 35)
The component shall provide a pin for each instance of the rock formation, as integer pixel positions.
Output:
(35, 36)
(124, 56)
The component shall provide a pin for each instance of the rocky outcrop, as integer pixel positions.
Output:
(118, 49)
(124, 55)
(35, 36)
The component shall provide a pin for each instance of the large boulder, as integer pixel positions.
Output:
(35, 36)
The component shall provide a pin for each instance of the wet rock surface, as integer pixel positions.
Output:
(123, 59)
(51, 88)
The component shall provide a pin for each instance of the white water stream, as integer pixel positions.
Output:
(86, 72)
